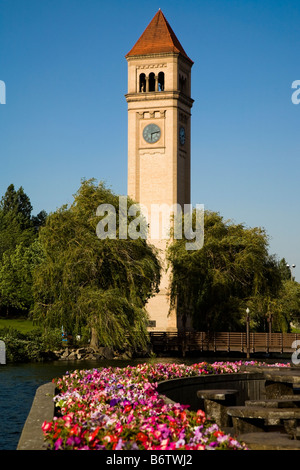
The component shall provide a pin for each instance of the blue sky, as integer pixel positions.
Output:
(65, 117)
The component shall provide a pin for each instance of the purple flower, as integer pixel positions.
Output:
(180, 442)
(119, 445)
(222, 438)
(58, 444)
(73, 440)
(114, 402)
(213, 444)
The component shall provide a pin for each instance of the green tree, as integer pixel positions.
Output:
(16, 272)
(285, 309)
(212, 285)
(285, 270)
(282, 309)
(17, 202)
(18, 232)
(17, 225)
(39, 220)
(86, 281)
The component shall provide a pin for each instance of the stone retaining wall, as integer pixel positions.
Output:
(250, 386)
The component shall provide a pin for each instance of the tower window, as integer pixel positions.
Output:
(161, 81)
(182, 83)
(151, 81)
(142, 85)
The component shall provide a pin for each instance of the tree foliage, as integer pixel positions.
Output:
(19, 251)
(15, 220)
(283, 310)
(84, 280)
(213, 285)
(16, 272)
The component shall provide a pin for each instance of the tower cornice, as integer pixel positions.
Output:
(159, 96)
(159, 55)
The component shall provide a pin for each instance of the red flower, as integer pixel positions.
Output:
(75, 430)
(94, 434)
(141, 437)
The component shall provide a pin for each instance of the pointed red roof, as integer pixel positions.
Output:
(158, 37)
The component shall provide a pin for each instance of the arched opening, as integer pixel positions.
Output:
(142, 85)
(161, 81)
(152, 82)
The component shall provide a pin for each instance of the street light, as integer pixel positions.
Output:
(293, 266)
(248, 332)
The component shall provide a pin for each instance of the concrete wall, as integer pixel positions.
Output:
(251, 386)
(42, 409)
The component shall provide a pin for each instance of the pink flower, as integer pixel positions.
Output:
(120, 408)
(46, 426)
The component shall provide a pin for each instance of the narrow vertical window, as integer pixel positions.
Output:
(152, 82)
(161, 81)
(142, 85)
(182, 83)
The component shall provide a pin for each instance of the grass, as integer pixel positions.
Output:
(21, 324)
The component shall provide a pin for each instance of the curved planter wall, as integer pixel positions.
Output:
(250, 386)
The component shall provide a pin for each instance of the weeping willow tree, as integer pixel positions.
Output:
(85, 281)
(213, 285)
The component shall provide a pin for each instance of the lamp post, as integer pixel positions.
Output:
(293, 266)
(270, 323)
(269, 331)
(248, 332)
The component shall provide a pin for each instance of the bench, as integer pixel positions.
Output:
(281, 382)
(258, 418)
(289, 401)
(216, 402)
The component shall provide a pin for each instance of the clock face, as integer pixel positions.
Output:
(182, 135)
(151, 133)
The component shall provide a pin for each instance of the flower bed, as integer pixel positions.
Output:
(120, 409)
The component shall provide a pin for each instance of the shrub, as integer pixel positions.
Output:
(32, 346)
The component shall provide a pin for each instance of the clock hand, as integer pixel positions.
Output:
(155, 132)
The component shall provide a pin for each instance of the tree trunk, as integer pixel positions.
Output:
(94, 338)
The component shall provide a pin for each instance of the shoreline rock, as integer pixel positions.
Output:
(90, 354)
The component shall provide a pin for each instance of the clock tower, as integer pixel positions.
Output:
(159, 138)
